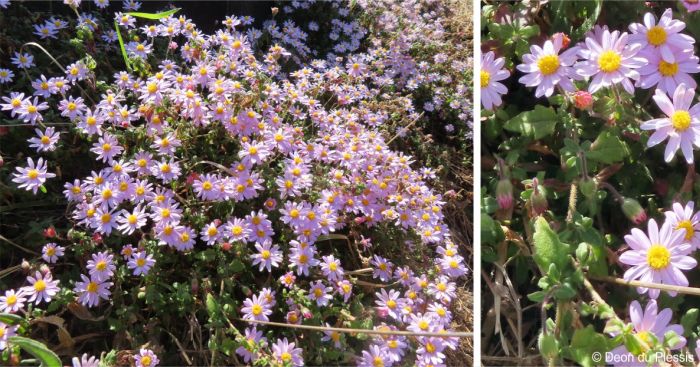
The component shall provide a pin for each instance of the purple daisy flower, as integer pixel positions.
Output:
(12, 301)
(141, 263)
(681, 126)
(658, 257)
(42, 288)
(545, 68)
(285, 352)
(33, 176)
(90, 291)
(649, 323)
(681, 217)
(662, 37)
(491, 74)
(146, 358)
(101, 266)
(51, 252)
(320, 293)
(256, 308)
(611, 62)
(665, 75)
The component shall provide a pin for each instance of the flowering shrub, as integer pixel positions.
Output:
(220, 198)
(589, 130)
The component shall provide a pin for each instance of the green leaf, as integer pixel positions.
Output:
(548, 248)
(608, 148)
(42, 188)
(536, 124)
(491, 231)
(121, 45)
(38, 350)
(585, 343)
(10, 319)
(154, 16)
(548, 346)
(690, 320)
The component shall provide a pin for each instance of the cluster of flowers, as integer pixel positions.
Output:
(336, 171)
(655, 54)
(402, 64)
(345, 33)
(660, 256)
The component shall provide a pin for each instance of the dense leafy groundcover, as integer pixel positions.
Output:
(590, 126)
(167, 192)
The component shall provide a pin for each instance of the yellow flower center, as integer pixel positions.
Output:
(681, 120)
(184, 237)
(378, 362)
(91, 121)
(106, 194)
(318, 292)
(50, 251)
(257, 310)
(265, 254)
(668, 69)
(106, 147)
(152, 88)
(31, 109)
(294, 213)
(106, 218)
(132, 219)
(101, 265)
(658, 257)
(140, 190)
(39, 285)
(430, 348)
(165, 168)
(689, 230)
(146, 360)
(11, 300)
(33, 174)
(423, 325)
(391, 304)
(91, 287)
(656, 35)
(609, 61)
(286, 357)
(237, 230)
(140, 262)
(441, 287)
(548, 64)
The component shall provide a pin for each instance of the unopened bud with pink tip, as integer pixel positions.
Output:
(504, 194)
(538, 198)
(634, 211)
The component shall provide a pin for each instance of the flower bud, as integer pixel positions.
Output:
(504, 194)
(97, 238)
(226, 246)
(634, 211)
(565, 40)
(588, 187)
(44, 269)
(25, 266)
(538, 198)
(275, 10)
(50, 232)
(583, 100)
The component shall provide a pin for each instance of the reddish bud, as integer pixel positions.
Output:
(504, 194)
(583, 100)
(226, 246)
(634, 211)
(565, 40)
(191, 177)
(4, 130)
(97, 238)
(50, 232)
